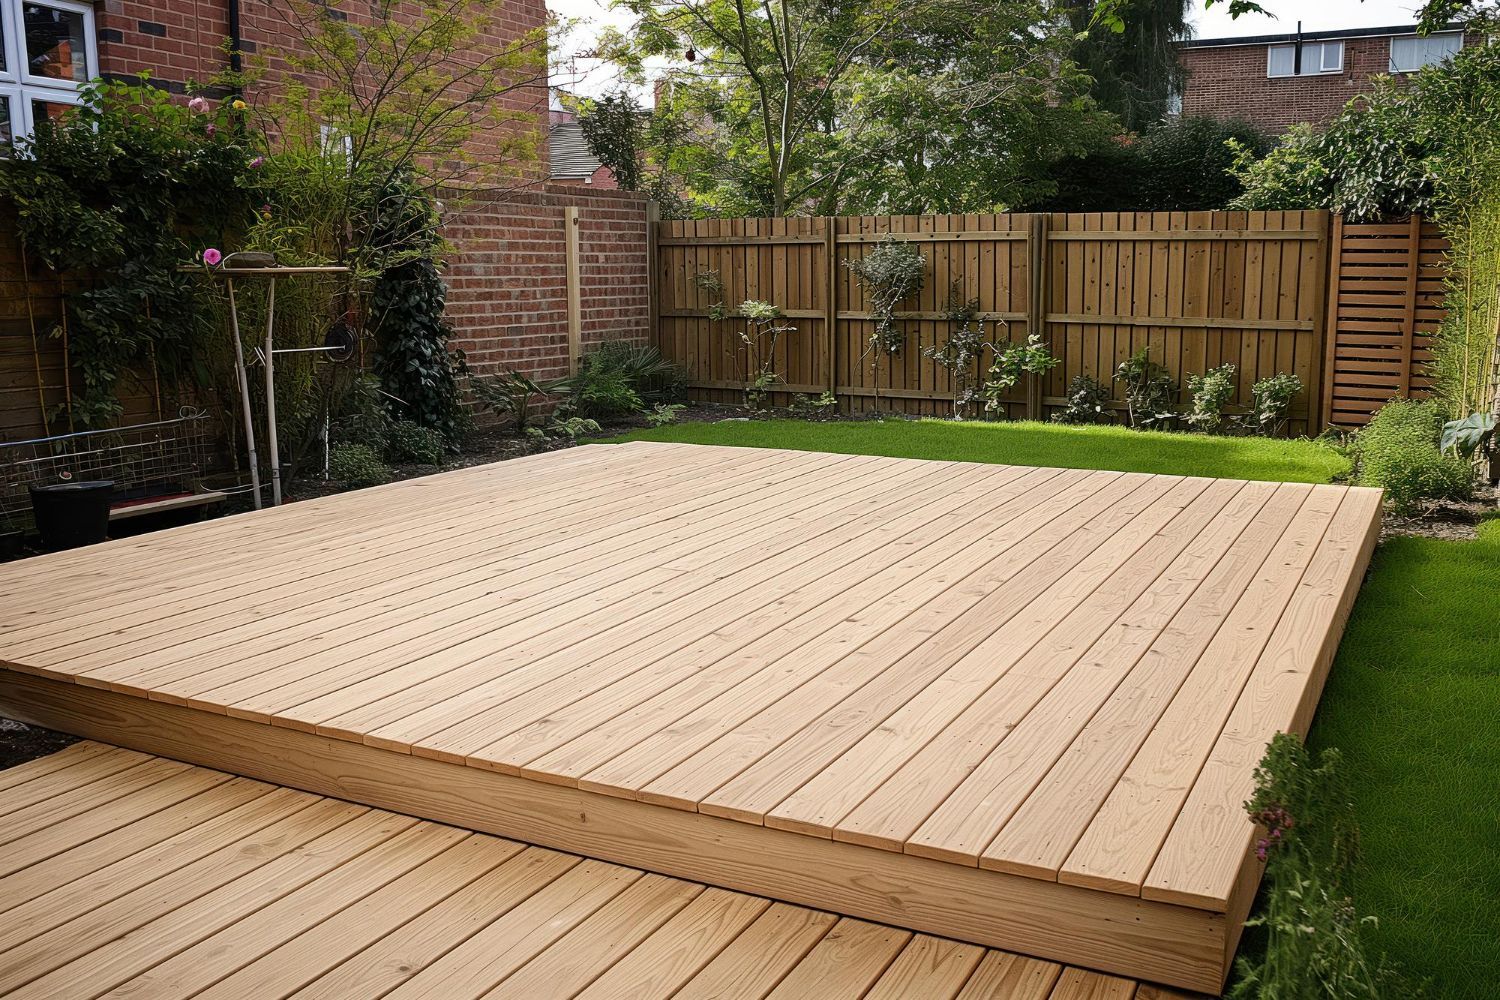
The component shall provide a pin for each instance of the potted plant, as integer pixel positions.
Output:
(71, 512)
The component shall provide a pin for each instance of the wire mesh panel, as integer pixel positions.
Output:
(158, 459)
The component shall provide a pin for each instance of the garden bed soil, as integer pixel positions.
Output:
(20, 742)
(1447, 520)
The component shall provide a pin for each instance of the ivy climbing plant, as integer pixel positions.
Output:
(121, 191)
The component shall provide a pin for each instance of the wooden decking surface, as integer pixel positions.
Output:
(124, 874)
(1061, 674)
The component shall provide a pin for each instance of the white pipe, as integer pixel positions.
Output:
(244, 380)
(271, 396)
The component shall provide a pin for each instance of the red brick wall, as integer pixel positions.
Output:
(508, 285)
(1231, 82)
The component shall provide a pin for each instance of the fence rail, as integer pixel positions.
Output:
(1262, 290)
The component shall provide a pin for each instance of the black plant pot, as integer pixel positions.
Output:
(72, 514)
(12, 544)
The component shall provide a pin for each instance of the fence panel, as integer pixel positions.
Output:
(1385, 305)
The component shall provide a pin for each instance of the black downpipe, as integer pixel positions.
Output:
(234, 42)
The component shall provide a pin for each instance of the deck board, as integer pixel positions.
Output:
(353, 903)
(1058, 675)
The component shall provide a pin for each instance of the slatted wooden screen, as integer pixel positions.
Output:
(1383, 309)
(1201, 288)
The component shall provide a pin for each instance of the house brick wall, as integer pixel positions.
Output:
(1230, 81)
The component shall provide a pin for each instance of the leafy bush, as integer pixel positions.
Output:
(357, 465)
(890, 274)
(1211, 391)
(664, 413)
(1271, 402)
(620, 377)
(1088, 399)
(823, 406)
(1314, 936)
(512, 394)
(1398, 452)
(1012, 363)
(1149, 388)
(410, 442)
(1181, 164)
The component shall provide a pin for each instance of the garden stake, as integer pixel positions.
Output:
(244, 380)
(36, 353)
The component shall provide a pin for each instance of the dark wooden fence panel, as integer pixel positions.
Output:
(1200, 288)
(1383, 309)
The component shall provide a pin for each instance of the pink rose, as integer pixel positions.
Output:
(212, 256)
(198, 106)
(257, 163)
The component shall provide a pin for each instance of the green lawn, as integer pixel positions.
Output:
(1413, 701)
(1022, 443)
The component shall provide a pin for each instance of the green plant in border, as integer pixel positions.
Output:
(1271, 402)
(1398, 451)
(1148, 390)
(357, 466)
(890, 274)
(1212, 391)
(763, 330)
(1087, 400)
(512, 394)
(125, 188)
(1012, 363)
(1314, 945)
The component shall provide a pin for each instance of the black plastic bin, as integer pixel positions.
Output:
(72, 514)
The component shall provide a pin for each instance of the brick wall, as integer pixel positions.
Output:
(508, 283)
(1229, 81)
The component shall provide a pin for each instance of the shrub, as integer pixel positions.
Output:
(1087, 402)
(1314, 936)
(1012, 363)
(619, 377)
(1271, 402)
(1211, 391)
(891, 273)
(1148, 390)
(357, 465)
(511, 394)
(1398, 452)
(412, 443)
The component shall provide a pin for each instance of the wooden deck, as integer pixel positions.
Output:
(1019, 706)
(125, 874)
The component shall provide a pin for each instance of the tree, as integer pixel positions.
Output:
(612, 128)
(894, 105)
(1135, 70)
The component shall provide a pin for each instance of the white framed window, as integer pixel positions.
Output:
(1410, 53)
(48, 51)
(1317, 58)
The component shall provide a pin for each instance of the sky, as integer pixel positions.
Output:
(591, 78)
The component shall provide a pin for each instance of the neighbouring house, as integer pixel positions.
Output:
(1277, 81)
(568, 155)
(508, 280)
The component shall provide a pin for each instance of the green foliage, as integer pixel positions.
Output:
(1149, 388)
(1088, 399)
(1271, 402)
(1012, 363)
(1314, 936)
(892, 272)
(413, 359)
(756, 355)
(1469, 436)
(620, 377)
(612, 127)
(1212, 391)
(411, 443)
(571, 428)
(127, 187)
(1135, 70)
(1182, 164)
(356, 466)
(514, 395)
(823, 406)
(1398, 452)
(961, 354)
(664, 413)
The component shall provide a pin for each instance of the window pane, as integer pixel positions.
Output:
(1333, 57)
(3, 47)
(1282, 60)
(48, 111)
(55, 45)
(1412, 53)
(7, 130)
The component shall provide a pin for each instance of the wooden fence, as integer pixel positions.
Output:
(1383, 309)
(1200, 288)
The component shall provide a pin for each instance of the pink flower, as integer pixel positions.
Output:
(211, 129)
(212, 256)
(198, 106)
(257, 163)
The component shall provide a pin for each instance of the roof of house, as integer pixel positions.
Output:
(569, 152)
(1306, 36)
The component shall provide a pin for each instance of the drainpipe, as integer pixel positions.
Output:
(234, 40)
(1296, 57)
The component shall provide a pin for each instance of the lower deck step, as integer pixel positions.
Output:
(125, 872)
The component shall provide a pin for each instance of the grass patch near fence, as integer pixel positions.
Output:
(1412, 704)
(1026, 443)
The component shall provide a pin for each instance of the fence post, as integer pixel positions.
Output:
(828, 351)
(1036, 310)
(1333, 252)
(575, 293)
(653, 277)
(1409, 314)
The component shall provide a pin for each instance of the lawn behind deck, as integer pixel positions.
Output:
(1026, 443)
(1411, 702)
